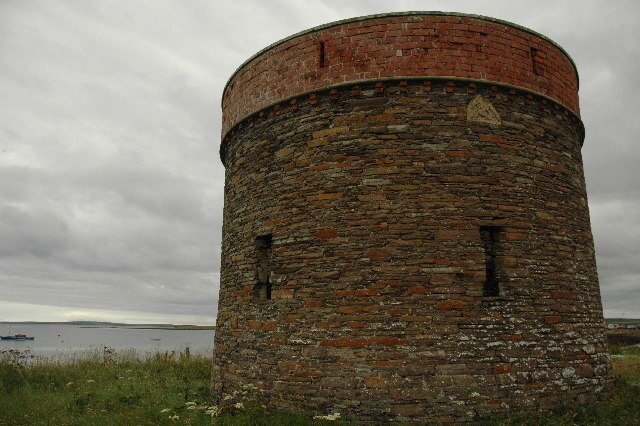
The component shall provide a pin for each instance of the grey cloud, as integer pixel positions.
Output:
(31, 232)
(111, 188)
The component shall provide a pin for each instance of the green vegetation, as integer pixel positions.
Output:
(105, 388)
(621, 409)
(622, 320)
(120, 389)
(623, 342)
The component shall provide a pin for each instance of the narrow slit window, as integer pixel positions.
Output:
(489, 237)
(321, 55)
(262, 287)
(536, 62)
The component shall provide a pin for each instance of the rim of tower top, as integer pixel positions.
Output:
(399, 14)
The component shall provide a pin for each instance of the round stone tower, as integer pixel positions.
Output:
(406, 231)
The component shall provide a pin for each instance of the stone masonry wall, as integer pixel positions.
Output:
(374, 202)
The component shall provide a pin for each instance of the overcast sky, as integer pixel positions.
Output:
(111, 187)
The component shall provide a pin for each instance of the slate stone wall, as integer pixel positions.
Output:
(368, 209)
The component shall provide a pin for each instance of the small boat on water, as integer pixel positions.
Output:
(17, 337)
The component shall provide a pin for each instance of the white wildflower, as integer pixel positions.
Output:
(190, 404)
(165, 410)
(191, 407)
(227, 397)
(474, 395)
(330, 417)
(90, 381)
(239, 405)
(174, 417)
(213, 411)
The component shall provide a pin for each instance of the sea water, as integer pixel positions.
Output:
(58, 341)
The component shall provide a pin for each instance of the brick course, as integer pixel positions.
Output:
(393, 46)
(375, 195)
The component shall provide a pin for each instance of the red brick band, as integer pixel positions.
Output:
(401, 45)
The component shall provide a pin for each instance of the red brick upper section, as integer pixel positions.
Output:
(412, 44)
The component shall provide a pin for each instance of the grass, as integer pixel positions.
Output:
(623, 408)
(105, 388)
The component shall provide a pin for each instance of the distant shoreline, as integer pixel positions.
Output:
(101, 324)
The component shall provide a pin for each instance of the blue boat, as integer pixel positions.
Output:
(17, 337)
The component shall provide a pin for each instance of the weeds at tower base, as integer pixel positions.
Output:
(172, 389)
